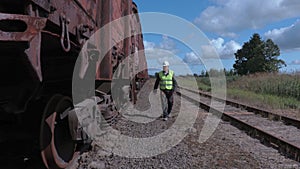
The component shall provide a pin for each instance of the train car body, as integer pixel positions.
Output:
(40, 42)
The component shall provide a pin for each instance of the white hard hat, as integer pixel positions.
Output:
(166, 63)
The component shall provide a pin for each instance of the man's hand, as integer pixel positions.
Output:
(176, 90)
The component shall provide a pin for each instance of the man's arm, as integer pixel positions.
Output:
(156, 82)
(175, 85)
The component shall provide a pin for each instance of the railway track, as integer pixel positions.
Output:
(264, 113)
(277, 131)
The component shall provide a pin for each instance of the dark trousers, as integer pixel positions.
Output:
(166, 102)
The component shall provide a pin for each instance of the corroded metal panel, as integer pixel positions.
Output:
(34, 25)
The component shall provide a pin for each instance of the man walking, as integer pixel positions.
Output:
(168, 85)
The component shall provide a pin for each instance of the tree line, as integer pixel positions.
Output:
(255, 56)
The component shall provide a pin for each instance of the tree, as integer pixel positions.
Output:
(272, 52)
(203, 73)
(258, 56)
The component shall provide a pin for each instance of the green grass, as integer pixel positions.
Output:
(272, 90)
(193, 83)
(263, 100)
(277, 91)
(271, 84)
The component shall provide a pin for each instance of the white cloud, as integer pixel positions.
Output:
(209, 52)
(192, 59)
(168, 44)
(149, 45)
(225, 50)
(287, 38)
(295, 62)
(165, 50)
(156, 57)
(217, 50)
(229, 16)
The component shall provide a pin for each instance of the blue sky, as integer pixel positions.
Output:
(228, 24)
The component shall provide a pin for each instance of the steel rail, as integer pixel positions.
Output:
(264, 113)
(288, 149)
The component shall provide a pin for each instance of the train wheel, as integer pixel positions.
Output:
(58, 149)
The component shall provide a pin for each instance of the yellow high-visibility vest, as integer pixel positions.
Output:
(166, 82)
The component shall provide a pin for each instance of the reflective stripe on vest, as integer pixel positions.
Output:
(166, 82)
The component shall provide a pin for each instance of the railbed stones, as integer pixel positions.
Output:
(228, 147)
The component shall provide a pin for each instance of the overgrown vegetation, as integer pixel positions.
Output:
(273, 90)
(282, 85)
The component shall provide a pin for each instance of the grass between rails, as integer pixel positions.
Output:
(275, 91)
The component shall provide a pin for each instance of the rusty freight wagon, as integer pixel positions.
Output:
(40, 42)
